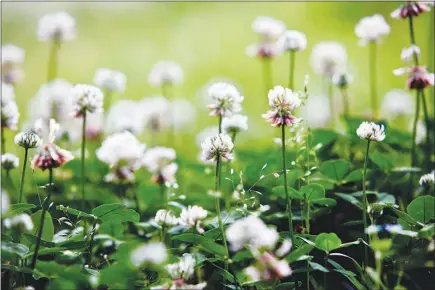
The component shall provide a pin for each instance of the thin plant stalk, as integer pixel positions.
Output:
(220, 124)
(414, 130)
(167, 93)
(427, 123)
(288, 201)
(163, 195)
(365, 202)
(331, 102)
(267, 74)
(3, 140)
(53, 60)
(307, 203)
(292, 59)
(91, 242)
(345, 99)
(23, 174)
(378, 282)
(373, 79)
(136, 199)
(218, 210)
(83, 161)
(430, 58)
(108, 99)
(41, 223)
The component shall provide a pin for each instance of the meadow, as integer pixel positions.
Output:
(207, 145)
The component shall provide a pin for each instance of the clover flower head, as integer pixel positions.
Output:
(408, 53)
(372, 28)
(235, 124)
(165, 218)
(263, 50)
(12, 54)
(282, 102)
(371, 131)
(58, 26)
(427, 179)
(411, 9)
(151, 253)
(28, 140)
(125, 115)
(328, 57)
(86, 99)
(226, 99)
(419, 78)
(192, 217)
(156, 112)
(397, 102)
(292, 40)
(183, 270)
(21, 221)
(111, 80)
(267, 27)
(165, 73)
(9, 113)
(341, 79)
(217, 147)
(10, 161)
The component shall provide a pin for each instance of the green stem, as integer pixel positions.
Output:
(23, 174)
(378, 273)
(292, 55)
(220, 124)
(345, 98)
(136, 199)
(324, 273)
(52, 61)
(288, 201)
(45, 206)
(83, 161)
(163, 195)
(218, 210)
(430, 58)
(373, 78)
(365, 203)
(267, 74)
(91, 242)
(107, 100)
(412, 36)
(331, 103)
(3, 140)
(427, 122)
(414, 130)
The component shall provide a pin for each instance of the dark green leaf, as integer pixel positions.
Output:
(48, 230)
(296, 254)
(10, 250)
(115, 212)
(313, 191)
(329, 202)
(327, 242)
(335, 169)
(318, 267)
(422, 209)
(350, 198)
(33, 239)
(76, 212)
(18, 208)
(385, 162)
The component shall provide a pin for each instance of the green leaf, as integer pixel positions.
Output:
(329, 202)
(335, 169)
(427, 231)
(10, 250)
(46, 251)
(356, 175)
(287, 286)
(114, 229)
(406, 218)
(323, 137)
(293, 193)
(48, 230)
(385, 162)
(313, 191)
(115, 212)
(318, 267)
(207, 244)
(33, 239)
(296, 254)
(350, 198)
(422, 209)
(327, 242)
(18, 208)
(75, 212)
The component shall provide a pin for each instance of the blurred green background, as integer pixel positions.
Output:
(209, 41)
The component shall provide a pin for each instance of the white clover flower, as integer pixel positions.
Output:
(10, 161)
(184, 269)
(316, 111)
(111, 80)
(274, 268)
(282, 102)
(408, 53)
(123, 153)
(411, 9)
(263, 50)
(341, 79)
(86, 98)
(158, 157)
(427, 179)
(268, 27)
(12, 54)
(58, 26)
(328, 57)
(22, 221)
(9, 114)
(371, 131)
(192, 217)
(227, 99)
(165, 73)
(206, 133)
(8, 93)
(156, 112)
(235, 124)
(28, 140)
(251, 231)
(292, 40)
(153, 252)
(217, 147)
(183, 113)
(125, 115)
(5, 202)
(371, 28)
(397, 102)
(165, 218)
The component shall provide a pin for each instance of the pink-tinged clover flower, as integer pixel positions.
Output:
(410, 9)
(282, 102)
(419, 78)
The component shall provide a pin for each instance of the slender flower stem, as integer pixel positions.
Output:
(163, 195)
(291, 81)
(287, 197)
(45, 206)
(53, 60)
(414, 130)
(345, 98)
(430, 58)
(3, 140)
(412, 36)
(307, 203)
(365, 202)
(220, 124)
(218, 210)
(331, 102)
(267, 74)
(136, 199)
(83, 161)
(23, 174)
(427, 123)
(108, 100)
(167, 93)
(91, 242)
(373, 78)
(378, 261)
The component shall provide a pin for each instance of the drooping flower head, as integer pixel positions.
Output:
(123, 153)
(372, 28)
(235, 124)
(328, 57)
(49, 155)
(217, 147)
(159, 161)
(111, 80)
(22, 222)
(28, 140)
(282, 102)
(268, 28)
(12, 58)
(410, 9)
(165, 218)
(371, 131)
(427, 179)
(58, 26)
(10, 161)
(192, 217)
(419, 78)
(227, 99)
(153, 253)
(165, 73)
(86, 99)
(292, 40)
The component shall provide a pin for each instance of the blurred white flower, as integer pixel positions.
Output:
(316, 111)
(9, 113)
(156, 112)
(158, 161)
(111, 80)
(8, 93)
(217, 147)
(282, 102)
(206, 133)
(28, 140)
(167, 174)
(411, 8)
(427, 179)
(328, 57)
(165, 218)
(408, 53)
(21, 221)
(183, 113)
(125, 115)
(192, 217)
(341, 79)
(251, 231)
(165, 73)
(10, 161)
(371, 131)
(227, 99)
(58, 26)
(371, 28)
(123, 153)
(263, 50)
(182, 270)
(292, 40)
(153, 252)
(234, 124)
(421, 131)
(397, 102)
(86, 99)
(267, 27)
(5, 202)
(12, 54)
